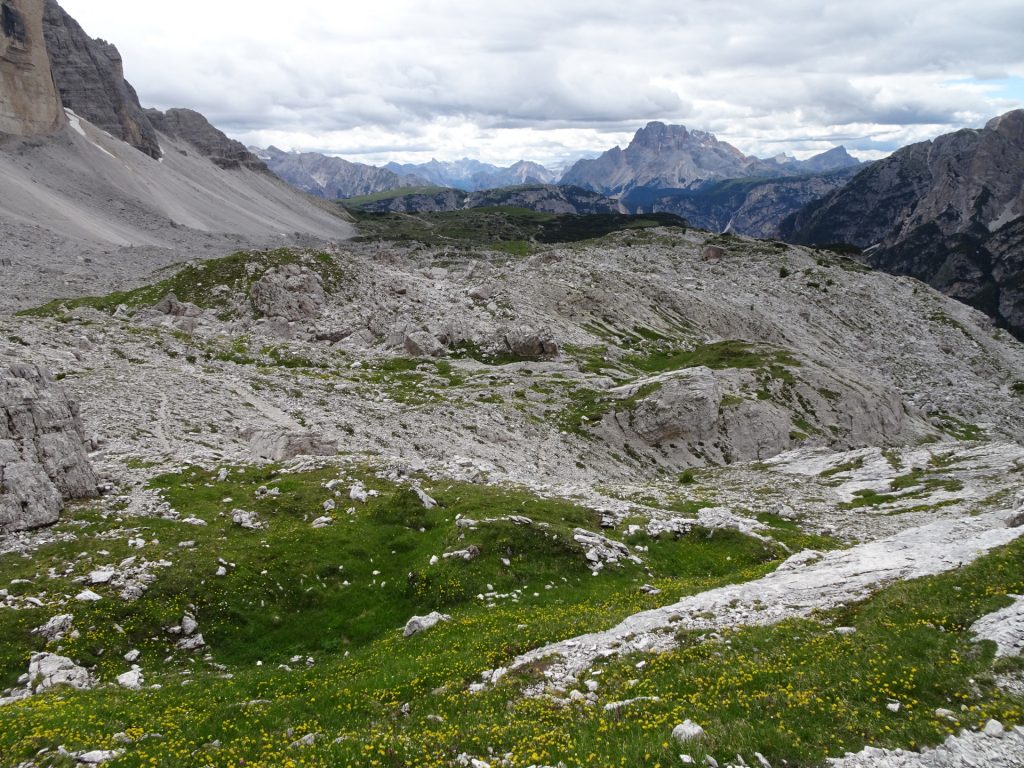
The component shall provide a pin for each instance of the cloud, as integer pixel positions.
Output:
(551, 81)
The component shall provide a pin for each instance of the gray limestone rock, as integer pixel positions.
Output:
(528, 343)
(90, 76)
(30, 105)
(42, 449)
(212, 143)
(418, 624)
(47, 670)
(281, 445)
(423, 344)
(292, 293)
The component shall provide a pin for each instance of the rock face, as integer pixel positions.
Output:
(190, 126)
(42, 453)
(331, 177)
(672, 157)
(29, 103)
(292, 293)
(755, 207)
(949, 212)
(281, 445)
(701, 415)
(90, 77)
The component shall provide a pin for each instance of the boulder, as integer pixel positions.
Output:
(47, 670)
(530, 344)
(281, 445)
(688, 731)
(170, 305)
(422, 344)
(43, 458)
(292, 293)
(418, 624)
(684, 407)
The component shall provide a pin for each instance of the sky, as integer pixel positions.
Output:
(555, 80)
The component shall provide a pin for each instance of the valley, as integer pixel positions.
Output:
(462, 465)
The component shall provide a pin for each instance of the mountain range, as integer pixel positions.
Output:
(520, 481)
(949, 212)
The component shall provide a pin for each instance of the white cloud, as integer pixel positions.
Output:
(553, 79)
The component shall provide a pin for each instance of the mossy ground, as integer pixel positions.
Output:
(207, 284)
(794, 692)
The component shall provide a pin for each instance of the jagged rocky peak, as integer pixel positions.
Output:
(89, 74)
(659, 137)
(29, 104)
(190, 126)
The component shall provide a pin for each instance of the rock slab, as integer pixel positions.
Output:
(43, 457)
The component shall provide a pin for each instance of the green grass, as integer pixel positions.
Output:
(503, 228)
(392, 194)
(718, 356)
(285, 595)
(203, 283)
(795, 692)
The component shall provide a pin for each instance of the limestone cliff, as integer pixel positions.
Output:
(948, 212)
(90, 77)
(190, 126)
(29, 104)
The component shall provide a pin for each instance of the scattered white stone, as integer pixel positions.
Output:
(359, 493)
(845, 631)
(893, 706)
(102, 576)
(323, 522)
(615, 706)
(189, 625)
(193, 643)
(56, 628)
(687, 731)
(329, 505)
(426, 500)
(222, 571)
(248, 520)
(87, 596)
(132, 680)
(98, 756)
(419, 624)
(132, 656)
(993, 728)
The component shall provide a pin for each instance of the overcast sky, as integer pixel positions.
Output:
(553, 80)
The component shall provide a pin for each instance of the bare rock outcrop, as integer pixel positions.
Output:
(29, 103)
(281, 445)
(292, 293)
(949, 212)
(42, 449)
(699, 415)
(90, 77)
(190, 126)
